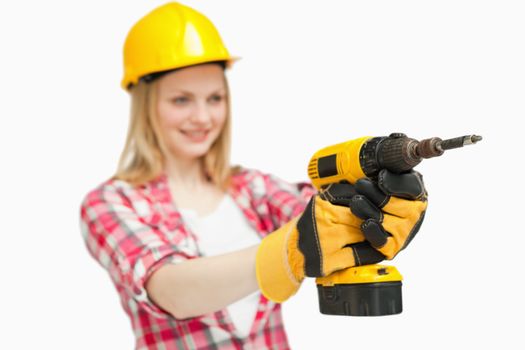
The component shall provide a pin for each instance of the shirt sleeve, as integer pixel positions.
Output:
(286, 200)
(130, 246)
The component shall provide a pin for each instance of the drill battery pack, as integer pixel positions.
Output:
(372, 290)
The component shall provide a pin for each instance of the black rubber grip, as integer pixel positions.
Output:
(327, 166)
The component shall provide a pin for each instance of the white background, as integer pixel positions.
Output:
(312, 74)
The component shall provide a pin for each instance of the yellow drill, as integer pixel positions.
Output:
(370, 290)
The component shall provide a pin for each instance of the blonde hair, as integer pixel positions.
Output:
(142, 158)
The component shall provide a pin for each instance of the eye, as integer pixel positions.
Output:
(216, 98)
(180, 100)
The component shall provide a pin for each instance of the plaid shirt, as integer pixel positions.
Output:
(133, 231)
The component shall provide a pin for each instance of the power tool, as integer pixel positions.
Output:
(370, 290)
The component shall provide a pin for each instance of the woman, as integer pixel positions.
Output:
(183, 235)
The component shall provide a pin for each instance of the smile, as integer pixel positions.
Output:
(196, 135)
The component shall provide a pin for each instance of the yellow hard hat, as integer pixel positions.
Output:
(169, 37)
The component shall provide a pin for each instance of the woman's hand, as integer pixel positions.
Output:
(325, 238)
(393, 210)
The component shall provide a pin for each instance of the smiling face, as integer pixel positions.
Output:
(192, 107)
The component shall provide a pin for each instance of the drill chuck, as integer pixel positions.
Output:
(399, 153)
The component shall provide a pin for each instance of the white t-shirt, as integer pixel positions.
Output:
(223, 231)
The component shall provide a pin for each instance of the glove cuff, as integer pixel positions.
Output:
(274, 274)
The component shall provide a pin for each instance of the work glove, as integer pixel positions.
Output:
(392, 209)
(325, 238)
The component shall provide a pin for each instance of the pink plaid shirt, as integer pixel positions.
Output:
(132, 231)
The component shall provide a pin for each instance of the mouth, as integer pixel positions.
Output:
(196, 135)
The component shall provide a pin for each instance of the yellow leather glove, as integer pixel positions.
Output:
(392, 210)
(325, 238)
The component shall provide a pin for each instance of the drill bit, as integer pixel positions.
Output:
(434, 147)
(459, 142)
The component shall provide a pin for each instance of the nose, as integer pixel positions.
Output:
(202, 114)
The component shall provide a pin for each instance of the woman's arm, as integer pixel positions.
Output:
(203, 285)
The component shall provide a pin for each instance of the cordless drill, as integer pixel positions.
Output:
(370, 290)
